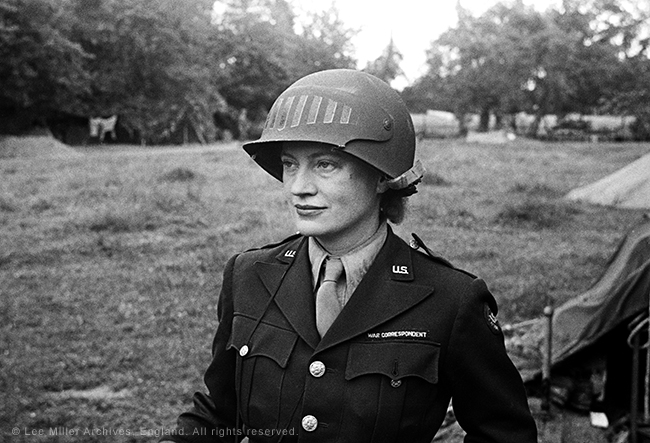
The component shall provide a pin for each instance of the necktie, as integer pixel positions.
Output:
(327, 301)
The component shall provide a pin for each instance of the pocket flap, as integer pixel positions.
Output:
(394, 359)
(267, 341)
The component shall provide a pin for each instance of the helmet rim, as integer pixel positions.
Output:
(348, 109)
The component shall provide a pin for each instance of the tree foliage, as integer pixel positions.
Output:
(161, 64)
(42, 68)
(514, 58)
(324, 42)
(483, 64)
(253, 46)
(150, 63)
(387, 66)
(263, 49)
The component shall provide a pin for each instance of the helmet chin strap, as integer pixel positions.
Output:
(410, 177)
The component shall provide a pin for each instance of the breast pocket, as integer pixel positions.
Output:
(392, 386)
(265, 350)
(395, 360)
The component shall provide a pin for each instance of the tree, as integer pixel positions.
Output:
(387, 66)
(581, 55)
(151, 64)
(631, 96)
(323, 41)
(252, 41)
(161, 65)
(42, 69)
(481, 65)
(513, 58)
(263, 50)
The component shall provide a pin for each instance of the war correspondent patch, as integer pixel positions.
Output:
(491, 319)
(397, 334)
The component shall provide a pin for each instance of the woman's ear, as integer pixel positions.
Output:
(382, 184)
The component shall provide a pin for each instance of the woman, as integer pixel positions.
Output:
(343, 332)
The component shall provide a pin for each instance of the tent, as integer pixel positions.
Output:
(34, 146)
(621, 293)
(436, 124)
(590, 331)
(628, 187)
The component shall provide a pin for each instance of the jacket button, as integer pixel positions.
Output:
(243, 351)
(396, 383)
(309, 423)
(317, 369)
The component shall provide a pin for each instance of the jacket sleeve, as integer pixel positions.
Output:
(213, 415)
(488, 395)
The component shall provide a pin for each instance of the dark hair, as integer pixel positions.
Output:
(392, 206)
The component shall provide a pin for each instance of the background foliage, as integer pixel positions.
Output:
(159, 64)
(165, 66)
(585, 57)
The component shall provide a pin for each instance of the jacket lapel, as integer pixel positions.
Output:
(293, 292)
(386, 291)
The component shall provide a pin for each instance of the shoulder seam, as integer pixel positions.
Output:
(438, 259)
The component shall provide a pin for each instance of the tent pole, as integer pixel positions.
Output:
(646, 392)
(546, 367)
(634, 397)
(634, 341)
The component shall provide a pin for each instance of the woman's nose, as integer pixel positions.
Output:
(302, 182)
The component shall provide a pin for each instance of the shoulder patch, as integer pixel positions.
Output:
(491, 319)
(417, 243)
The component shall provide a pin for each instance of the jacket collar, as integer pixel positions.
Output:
(288, 276)
(387, 290)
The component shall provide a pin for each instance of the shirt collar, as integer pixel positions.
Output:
(355, 262)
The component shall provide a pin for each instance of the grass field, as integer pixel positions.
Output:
(110, 263)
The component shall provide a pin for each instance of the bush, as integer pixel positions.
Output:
(641, 127)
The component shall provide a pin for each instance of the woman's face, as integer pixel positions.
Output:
(333, 196)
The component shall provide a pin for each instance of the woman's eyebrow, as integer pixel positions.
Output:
(315, 155)
(286, 154)
(327, 154)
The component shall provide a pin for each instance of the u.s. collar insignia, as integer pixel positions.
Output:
(291, 253)
(401, 272)
(491, 319)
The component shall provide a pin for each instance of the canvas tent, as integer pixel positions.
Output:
(435, 123)
(620, 294)
(628, 187)
(592, 329)
(34, 146)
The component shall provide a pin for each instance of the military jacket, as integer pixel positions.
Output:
(415, 334)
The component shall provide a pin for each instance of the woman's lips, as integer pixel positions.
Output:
(308, 210)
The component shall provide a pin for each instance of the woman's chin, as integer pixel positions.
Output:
(309, 229)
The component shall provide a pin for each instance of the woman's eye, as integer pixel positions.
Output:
(287, 164)
(326, 164)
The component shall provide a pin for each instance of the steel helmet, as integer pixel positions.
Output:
(352, 110)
